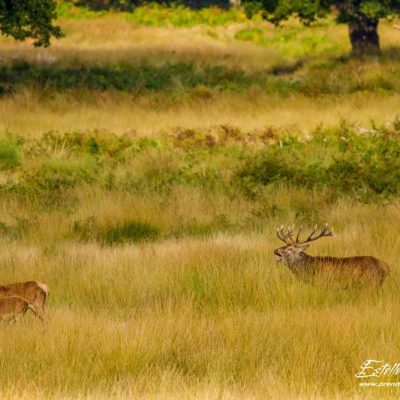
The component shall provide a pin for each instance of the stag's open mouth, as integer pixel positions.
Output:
(278, 256)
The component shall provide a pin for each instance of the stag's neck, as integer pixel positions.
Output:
(300, 260)
(303, 265)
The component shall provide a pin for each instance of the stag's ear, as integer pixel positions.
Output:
(301, 248)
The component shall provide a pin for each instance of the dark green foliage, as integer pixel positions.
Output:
(185, 80)
(252, 8)
(113, 234)
(309, 10)
(24, 19)
(137, 78)
(132, 231)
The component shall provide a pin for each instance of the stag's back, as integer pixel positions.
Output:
(362, 269)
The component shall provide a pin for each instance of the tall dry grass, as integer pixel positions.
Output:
(20, 114)
(213, 317)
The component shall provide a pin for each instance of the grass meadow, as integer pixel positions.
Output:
(153, 77)
(146, 160)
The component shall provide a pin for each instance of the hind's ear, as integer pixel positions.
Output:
(301, 248)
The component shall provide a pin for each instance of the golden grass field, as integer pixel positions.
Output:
(200, 318)
(211, 317)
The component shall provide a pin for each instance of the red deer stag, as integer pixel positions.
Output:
(12, 307)
(365, 270)
(34, 292)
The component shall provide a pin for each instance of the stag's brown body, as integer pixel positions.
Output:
(34, 292)
(12, 307)
(364, 270)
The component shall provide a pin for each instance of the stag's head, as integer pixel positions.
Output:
(294, 249)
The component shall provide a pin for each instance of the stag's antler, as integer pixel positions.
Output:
(287, 236)
(325, 231)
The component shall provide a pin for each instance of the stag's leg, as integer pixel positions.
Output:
(37, 308)
(39, 304)
(36, 312)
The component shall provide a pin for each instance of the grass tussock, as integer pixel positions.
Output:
(121, 233)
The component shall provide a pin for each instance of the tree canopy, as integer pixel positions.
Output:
(22, 19)
(362, 16)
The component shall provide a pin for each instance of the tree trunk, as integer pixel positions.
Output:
(364, 35)
(234, 3)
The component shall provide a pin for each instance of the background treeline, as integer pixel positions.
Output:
(129, 5)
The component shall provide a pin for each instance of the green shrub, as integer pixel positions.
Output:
(291, 40)
(67, 9)
(364, 164)
(350, 163)
(255, 35)
(58, 174)
(154, 14)
(132, 231)
(9, 154)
